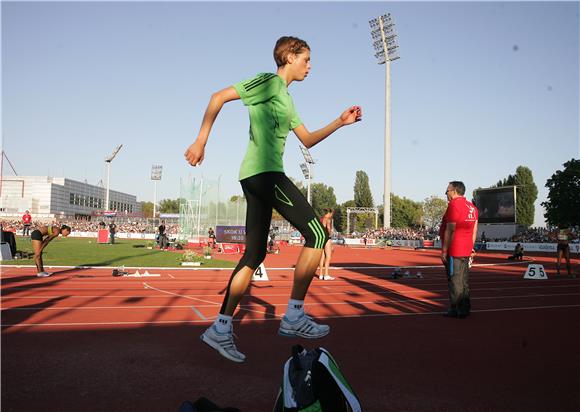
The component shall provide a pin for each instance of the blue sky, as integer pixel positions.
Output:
(480, 89)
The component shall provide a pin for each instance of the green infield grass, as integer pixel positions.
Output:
(87, 252)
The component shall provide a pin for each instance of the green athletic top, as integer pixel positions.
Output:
(272, 116)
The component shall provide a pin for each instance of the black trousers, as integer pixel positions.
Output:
(273, 190)
(458, 283)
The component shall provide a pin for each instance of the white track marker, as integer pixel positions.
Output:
(143, 275)
(177, 294)
(260, 274)
(535, 271)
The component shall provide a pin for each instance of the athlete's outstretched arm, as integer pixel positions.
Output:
(309, 139)
(195, 152)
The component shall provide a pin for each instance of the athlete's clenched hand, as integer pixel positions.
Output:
(195, 154)
(351, 115)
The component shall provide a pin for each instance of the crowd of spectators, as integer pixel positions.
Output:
(537, 235)
(530, 235)
(543, 235)
(396, 234)
(132, 226)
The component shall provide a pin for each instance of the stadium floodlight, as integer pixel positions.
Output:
(307, 155)
(108, 160)
(307, 169)
(156, 171)
(385, 43)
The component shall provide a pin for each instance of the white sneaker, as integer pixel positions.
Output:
(43, 274)
(223, 343)
(304, 327)
(327, 277)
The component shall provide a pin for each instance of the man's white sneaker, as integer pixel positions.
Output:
(223, 343)
(327, 277)
(43, 274)
(304, 327)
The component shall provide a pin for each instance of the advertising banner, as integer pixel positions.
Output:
(230, 234)
(359, 242)
(530, 247)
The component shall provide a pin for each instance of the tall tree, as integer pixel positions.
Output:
(323, 197)
(527, 193)
(362, 191)
(405, 212)
(338, 218)
(147, 209)
(169, 205)
(563, 204)
(433, 210)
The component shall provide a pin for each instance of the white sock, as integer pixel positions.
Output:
(295, 309)
(223, 323)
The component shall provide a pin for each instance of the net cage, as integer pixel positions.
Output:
(202, 206)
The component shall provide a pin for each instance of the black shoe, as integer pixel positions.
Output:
(451, 313)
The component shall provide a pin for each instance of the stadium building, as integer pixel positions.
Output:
(61, 198)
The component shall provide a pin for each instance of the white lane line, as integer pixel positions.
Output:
(104, 268)
(541, 286)
(177, 294)
(310, 304)
(276, 319)
(171, 276)
(198, 313)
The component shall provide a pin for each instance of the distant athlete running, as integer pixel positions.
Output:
(326, 221)
(40, 239)
(265, 186)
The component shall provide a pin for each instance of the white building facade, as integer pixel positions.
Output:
(58, 197)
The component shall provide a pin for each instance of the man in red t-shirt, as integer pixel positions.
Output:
(458, 232)
(26, 221)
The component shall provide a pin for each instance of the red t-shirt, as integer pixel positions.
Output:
(26, 219)
(464, 214)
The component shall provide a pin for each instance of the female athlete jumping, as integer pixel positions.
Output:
(265, 186)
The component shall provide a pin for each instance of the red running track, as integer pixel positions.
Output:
(83, 340)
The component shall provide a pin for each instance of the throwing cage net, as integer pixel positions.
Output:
(202, 206)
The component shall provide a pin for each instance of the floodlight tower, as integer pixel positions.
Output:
(387, 49)
(108, 160)
(307, 169)
(156, 171)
